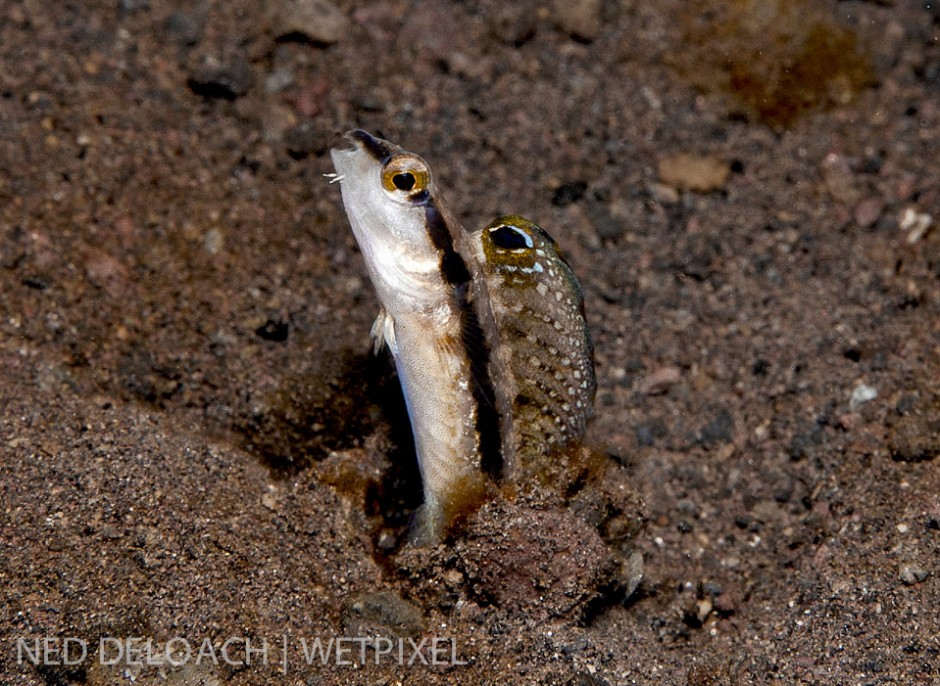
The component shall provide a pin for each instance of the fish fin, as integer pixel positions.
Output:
(383, 333)
(427, 526)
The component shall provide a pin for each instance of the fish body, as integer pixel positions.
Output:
(486, 329)
(542, 350)
(406, 237)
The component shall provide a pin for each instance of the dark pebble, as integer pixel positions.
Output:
(872, 164)
(718, 430)
(852, 353)
(802, 443)
(224, 81)
(569, 193)
(36, 282)
(710, 589)
(906, 403)
(273, 330)
(183, 29)
(760, 368)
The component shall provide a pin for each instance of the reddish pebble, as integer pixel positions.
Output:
(868, 211)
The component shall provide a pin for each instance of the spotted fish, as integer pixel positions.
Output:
(486, 329)
(542, 359)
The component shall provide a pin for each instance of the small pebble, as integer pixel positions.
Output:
(915, 223)
(660, 380)
(696, 173)
(319, 21)
(912, 574)
(569, 193)
(269, 501)
(839, 180)
(225, 80)
(107, 272)
(579, 18)
(868, 211)
(664, 195)
(862, 394)
(213, 241)
(184, 29)
(719, 430)
(279, 80)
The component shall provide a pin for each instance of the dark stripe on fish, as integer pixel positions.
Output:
(453, 268)
(376, 147)
(454, 271)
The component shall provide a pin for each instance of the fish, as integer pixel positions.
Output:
(543, 355)
(486, 330)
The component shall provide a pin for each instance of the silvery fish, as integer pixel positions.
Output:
(487, 329)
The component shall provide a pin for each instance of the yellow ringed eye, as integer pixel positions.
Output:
(405, 174)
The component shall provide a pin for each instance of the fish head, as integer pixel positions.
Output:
(387, 192)
(521, 253)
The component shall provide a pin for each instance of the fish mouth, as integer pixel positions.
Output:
(380, 150)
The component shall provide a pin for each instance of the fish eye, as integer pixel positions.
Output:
(510, 237)
(404, 181)
(406, 173)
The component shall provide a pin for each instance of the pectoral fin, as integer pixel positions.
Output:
(383, 333)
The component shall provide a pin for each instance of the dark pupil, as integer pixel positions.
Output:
(509, 238)
(404, 181)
